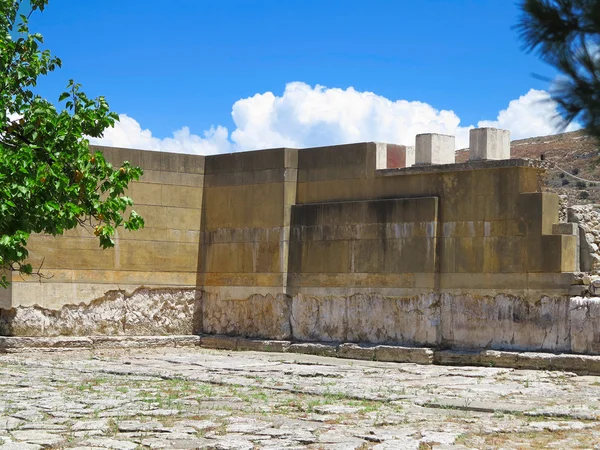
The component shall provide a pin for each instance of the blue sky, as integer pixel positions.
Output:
(167, 65)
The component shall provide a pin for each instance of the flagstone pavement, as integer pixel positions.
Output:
(193, 398)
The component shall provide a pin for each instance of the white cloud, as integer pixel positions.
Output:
(304, 116)
(532, 114)
(129, 133)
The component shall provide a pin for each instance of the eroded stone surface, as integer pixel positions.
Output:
(144, 312)
(371, 318)
(208, 399)
(259, 316)
(456, 321)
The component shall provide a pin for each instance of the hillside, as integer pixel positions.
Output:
(575, 152)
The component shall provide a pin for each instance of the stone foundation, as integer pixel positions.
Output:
(452, 321)
(144, 312)
(456, 321)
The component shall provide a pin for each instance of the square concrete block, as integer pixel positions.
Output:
(434, 148)
(489, 143)
(564, 228)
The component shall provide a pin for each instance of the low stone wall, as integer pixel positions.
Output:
(144, 312)
(500, 322)
(453, 321)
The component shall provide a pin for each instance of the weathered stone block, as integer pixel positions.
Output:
(505, 322)
(378, 319)
(354, 351)
(257, 345)
(538, 212)
(259, 316)
(489, 143)
(144, 312)
(434, 149)
(219, 342)
(310, 348)
(404, 354)
(564, 228)
(585, 325)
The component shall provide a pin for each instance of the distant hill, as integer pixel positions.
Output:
(575, 152)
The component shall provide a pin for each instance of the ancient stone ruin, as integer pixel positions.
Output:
(369, 243)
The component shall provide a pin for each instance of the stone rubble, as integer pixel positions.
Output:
(588, 218)
(194, 398)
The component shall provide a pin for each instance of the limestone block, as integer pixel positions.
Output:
(488, 358)
(368, 318)
(258, 345)
(219, 342)
(374, 318)
(258, 316)
(505, 322)
(489, 144)
(538, 212)
(566, 363)
(354, 351)
(144, 341)
(410, 156)
(434, 148)
(144, 312)
(381, 155)
(404, 354)
(565, 228)
(310, 348)
(15, 343)
(585, 325)
(318, 318)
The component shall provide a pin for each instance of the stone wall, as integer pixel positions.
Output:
(155, 311)
(337, 243)
(457, 321)
(165, 253)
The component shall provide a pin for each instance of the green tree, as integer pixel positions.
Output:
(49, 180)
(566, 35)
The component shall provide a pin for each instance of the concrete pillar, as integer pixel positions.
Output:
(380, 156)
(489, 143)
(434, 148)
(410, 156)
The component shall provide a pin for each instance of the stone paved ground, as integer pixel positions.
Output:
(197, 398)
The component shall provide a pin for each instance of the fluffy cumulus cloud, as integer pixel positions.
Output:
(305, 116)
(129, 133)
(532, 114)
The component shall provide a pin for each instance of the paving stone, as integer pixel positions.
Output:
(87, 448)
(19, 446)
(126, 426)
(229, 443)
(10, 423)
(37, 437)
(395, 444)
(30, 415)
(112, 443)
(336, 409)
(91, 425)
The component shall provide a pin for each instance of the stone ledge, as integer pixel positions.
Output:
(459, 167)
(579, 364)
(21, 344)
